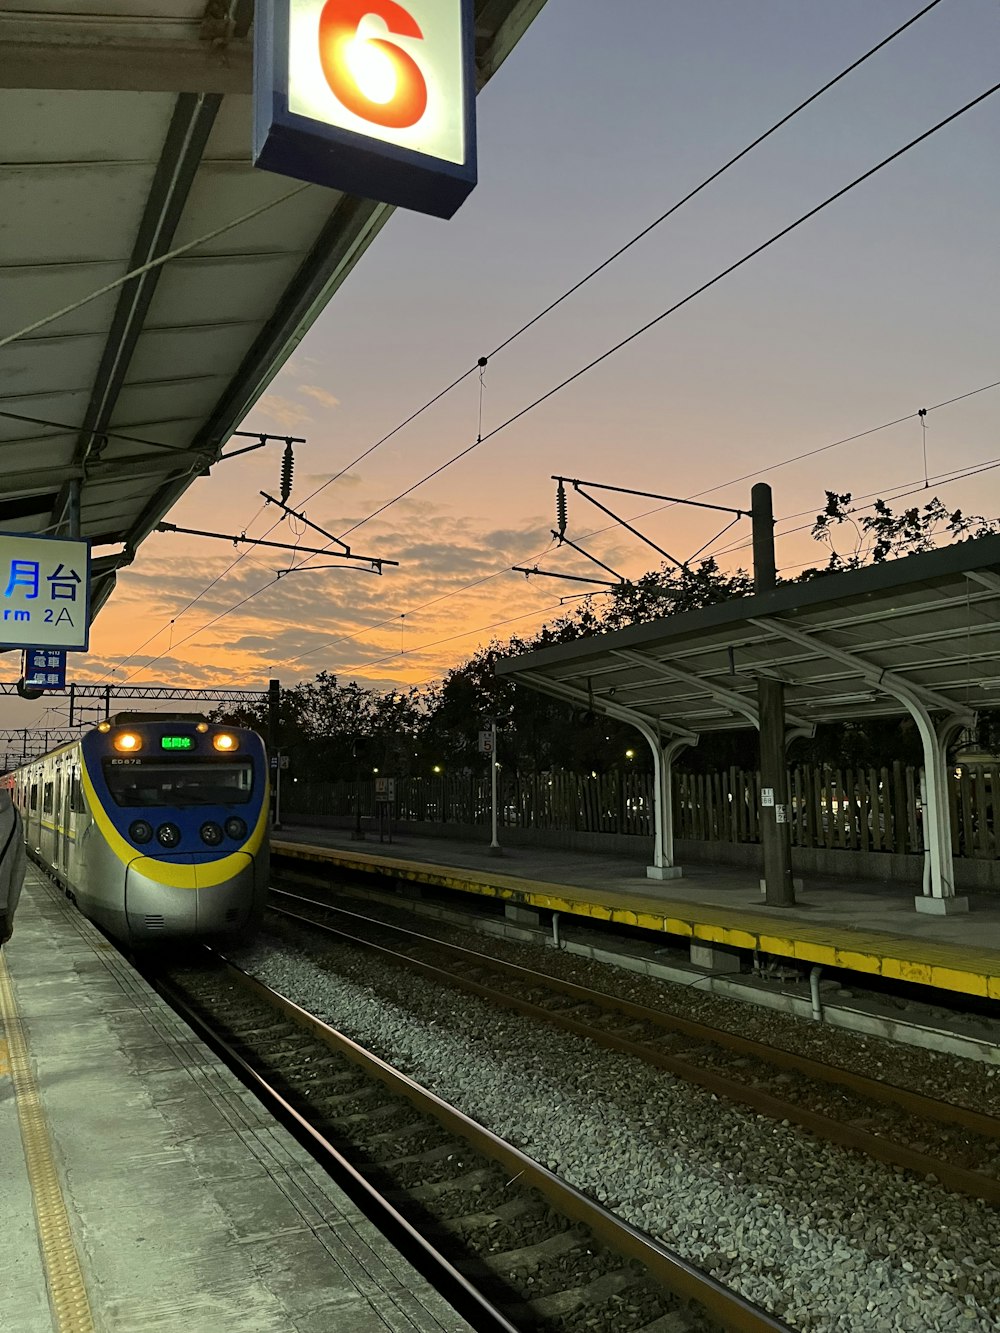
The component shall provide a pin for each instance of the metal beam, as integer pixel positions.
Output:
(878, 676)
(353, 225)
(506, 24)
(732, 698)
(60, 52)
(569, 694)
(735, 702)
(180, 158)
(351, 228)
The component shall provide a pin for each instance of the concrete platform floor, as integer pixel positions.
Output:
(834, 921)
(190, 1210)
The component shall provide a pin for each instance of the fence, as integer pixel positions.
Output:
(863, 809)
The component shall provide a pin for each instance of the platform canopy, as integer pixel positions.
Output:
(920, 635)
(845, 645)
(126, 133)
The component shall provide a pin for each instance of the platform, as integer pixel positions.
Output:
(144, 1189)
(861, 927)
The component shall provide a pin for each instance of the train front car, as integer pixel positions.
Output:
(178, 848)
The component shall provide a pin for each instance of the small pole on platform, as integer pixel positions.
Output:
(494, 844)
(775, 829)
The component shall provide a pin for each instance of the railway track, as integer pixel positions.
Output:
(952, 1144)
(513, 1247)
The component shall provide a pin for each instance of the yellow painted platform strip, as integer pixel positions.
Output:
(67, 1292)
(946, 966)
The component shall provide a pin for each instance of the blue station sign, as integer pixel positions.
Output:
(45, 668)
(371, 97)
(44, 592)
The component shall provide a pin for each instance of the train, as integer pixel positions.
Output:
(155, 825)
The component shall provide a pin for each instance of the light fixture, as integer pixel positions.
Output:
(127, 741)
(202, 726)
(104, 726)
(970, 754)
(224, 741)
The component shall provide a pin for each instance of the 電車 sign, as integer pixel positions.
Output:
(44, 592)
(44, 668)
(371, 97)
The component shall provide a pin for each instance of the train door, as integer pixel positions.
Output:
(58, 823)
(64, 808)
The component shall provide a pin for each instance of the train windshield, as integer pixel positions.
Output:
(176, 784)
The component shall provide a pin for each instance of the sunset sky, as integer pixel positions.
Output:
(602, 118)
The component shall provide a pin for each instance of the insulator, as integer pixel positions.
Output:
(561, 509)
(287, 468)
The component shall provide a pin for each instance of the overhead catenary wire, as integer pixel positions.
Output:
(886, 493)
(944, 480)
(412, 652)
(675, 207)
(634, 240)
(678, 305)
(709, 490)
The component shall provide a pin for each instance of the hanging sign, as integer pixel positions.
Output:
(44, 668)
(371, 97)
(44, 592)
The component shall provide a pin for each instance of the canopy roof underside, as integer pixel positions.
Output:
(845, 645)
(127, 134)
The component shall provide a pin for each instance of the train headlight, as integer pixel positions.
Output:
(128, 741)
(211, 833)
(168, 835)
(140, 830)
(236, 828)
(224, 741)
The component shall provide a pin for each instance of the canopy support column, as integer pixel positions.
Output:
(918, 700)
(939, 895)
(663, 866)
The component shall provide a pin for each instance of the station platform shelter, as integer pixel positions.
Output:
(862, 927)
(917, 636)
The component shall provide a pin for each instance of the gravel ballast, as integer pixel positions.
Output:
(825, 1238)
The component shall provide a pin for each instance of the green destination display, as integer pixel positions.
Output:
(176, 742)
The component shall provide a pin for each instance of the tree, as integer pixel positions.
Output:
(883, 535)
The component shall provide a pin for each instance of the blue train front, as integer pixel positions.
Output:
(160, 828)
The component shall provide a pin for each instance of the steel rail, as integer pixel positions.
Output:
(958, 1179)
(891, 1094)
(429, 1262)
(732, 1310)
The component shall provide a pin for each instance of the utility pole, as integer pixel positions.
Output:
(273, 706)
(775, 830)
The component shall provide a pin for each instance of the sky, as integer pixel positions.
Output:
(602, 118)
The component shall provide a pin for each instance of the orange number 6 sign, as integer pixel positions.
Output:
(406, 101)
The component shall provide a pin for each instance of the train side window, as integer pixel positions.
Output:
(76, 796)
(47, 799)
(34, 796)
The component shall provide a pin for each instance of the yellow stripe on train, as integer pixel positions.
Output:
(175, 874)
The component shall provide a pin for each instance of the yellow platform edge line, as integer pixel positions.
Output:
(63, 1274)
(870, 952)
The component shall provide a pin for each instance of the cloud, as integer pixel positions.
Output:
(314, 480)
(409, 626)
(282, 412)
(321, 395)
